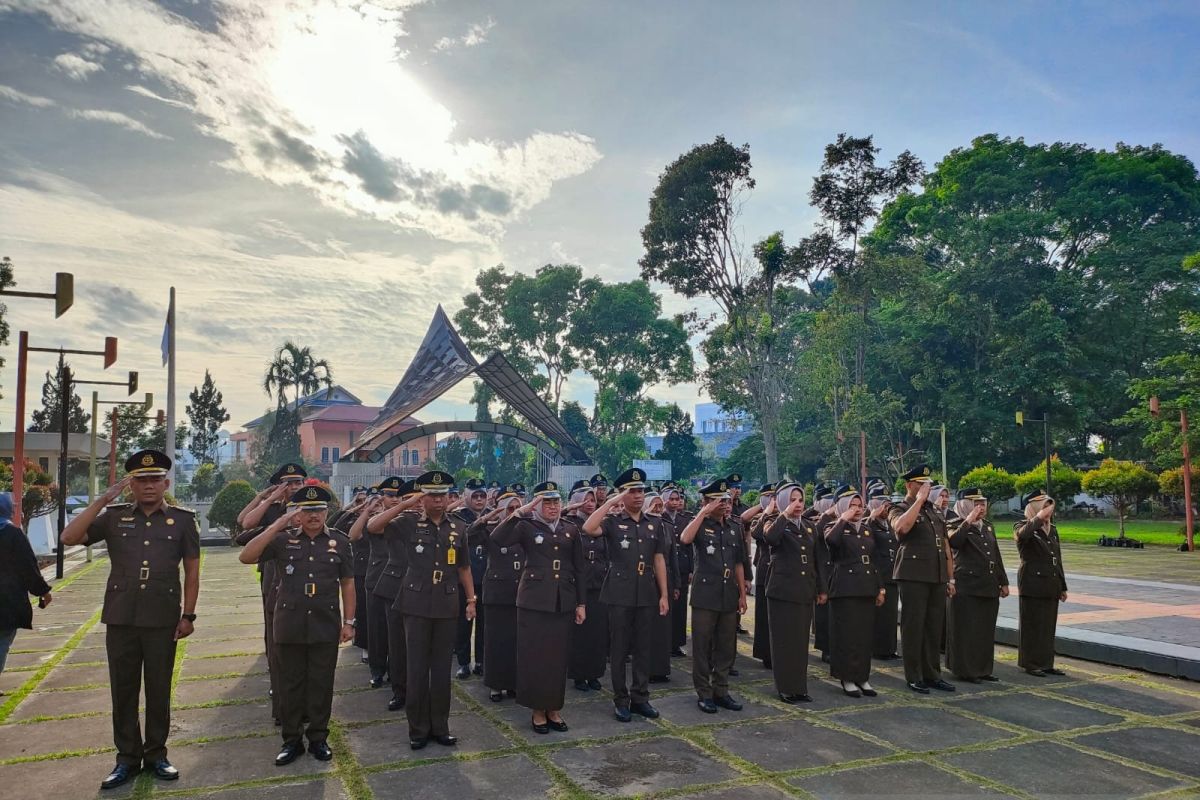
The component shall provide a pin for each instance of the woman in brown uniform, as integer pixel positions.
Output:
(764, 515)
(981, 581)
(797, 581)
(855, 589)
(589, 641)
(1042, 585)
(548, 602)
(500, 581)
(660, 649)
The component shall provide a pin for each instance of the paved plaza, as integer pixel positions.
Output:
(1102, 731)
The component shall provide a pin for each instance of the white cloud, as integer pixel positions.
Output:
(115, 118)
(313, 94)
(9, 93)
(76, 67)
(476, 35)
(144, 92)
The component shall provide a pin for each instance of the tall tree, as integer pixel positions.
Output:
(293, 369)
(528, 319)
(132, 428)
(49, 416)
(155, 437)
(679, 444)
(207, 413)
(6, 280)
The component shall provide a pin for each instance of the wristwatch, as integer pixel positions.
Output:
(188, 617)
(350, 622)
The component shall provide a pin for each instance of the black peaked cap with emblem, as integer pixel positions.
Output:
(717, 489)
(289, 472)
(547, 489)
(598, 480)
(634, 478)
(147, 464)
(734, 479)
(971, 493)
(1040, 494)
(391, 485)
(920, 473)
(518, 489)
(475, 485)
(435, 482)
(312, 498)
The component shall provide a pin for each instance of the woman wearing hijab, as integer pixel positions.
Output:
(823, 514)
(763, 515)
(981, 581)
(660, 648)
(1041, 583)
(19, 578)
(505, 563)
(549, 602)
(887, 616)
(677, 518)
(589, 641)
(797, 581)
(856, 589)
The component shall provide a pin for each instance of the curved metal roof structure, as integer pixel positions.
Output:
(441, 362)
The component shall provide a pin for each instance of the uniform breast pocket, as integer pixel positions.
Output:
(414, 586)
(533, 575)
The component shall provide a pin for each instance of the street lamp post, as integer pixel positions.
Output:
(109, 353)
(1021, 420)
(1189, 516)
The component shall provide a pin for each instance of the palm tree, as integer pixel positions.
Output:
(294, 367)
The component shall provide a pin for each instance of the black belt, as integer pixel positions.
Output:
(148, 574)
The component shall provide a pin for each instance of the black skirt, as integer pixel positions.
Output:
(971, 635)
(821, 628)
(1039, 619)
(887, 618)
(500, 648)
(589, 641)
(762, 616)
(360, 608)
(542, 647)
(851, 629)
(660, 645)
(789, 643)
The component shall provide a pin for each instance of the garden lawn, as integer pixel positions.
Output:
(1154, 532)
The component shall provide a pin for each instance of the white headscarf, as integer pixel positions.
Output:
(582, 492)
(935, 492)
(843, 503)
(783, 495)
(964, 507)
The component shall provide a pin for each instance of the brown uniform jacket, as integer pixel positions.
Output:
(632, 546)
(886, 545)
(308, 598)
(854, 572)
(716, 551)
(555, 568)
(395, 550)
(504, 565)
(797, 574)
(595, 552)
(978, 565)
(1041, 572)
(143, 586)
(921, 556)
(436, 552)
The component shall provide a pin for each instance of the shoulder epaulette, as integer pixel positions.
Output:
(118, 505)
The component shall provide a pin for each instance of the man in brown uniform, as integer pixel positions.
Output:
(147, 539)
(922, 571)
(635, 584)
(315, 566)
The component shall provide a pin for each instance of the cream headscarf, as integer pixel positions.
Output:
(783, 495)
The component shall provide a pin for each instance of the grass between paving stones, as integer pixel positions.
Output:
(12, 701)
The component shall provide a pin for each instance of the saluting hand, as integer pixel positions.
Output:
(710, 508)
(923, 492)
(117, 489)
(795, 508)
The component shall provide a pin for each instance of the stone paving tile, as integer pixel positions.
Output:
(225, 647)
(324, 789)
(1133, 697)
(912, 779)
(627, 769)
(55, 736)
(12, 680)
(371, 704)
(23, 660)
(681, 709)
(1164, 748)
(222, 665)
(222, 763)
(586, 719)
(756, 792)
(58, 704)
(75, 779)
(1050, 770)
(251, 687)
(513, 777)
(384, 744)
(88, 655)
(208, 723)
(782, 745)
(1037, 713)
(920, 729)
(65, 675)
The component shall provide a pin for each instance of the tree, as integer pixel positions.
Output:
(295, 369)
(1122, 483)
(996, 483)
(1065, 482)
(6, 280)
(207, 414)
(1170, 483)
(41, 492)
(679, 445)
(132, 425)
(155, 437)
(49, 417)
(228, 503)
(528, 319)
(235, 471)
(453, 455)
(206, 481)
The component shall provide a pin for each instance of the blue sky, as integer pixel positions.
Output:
(329, 171)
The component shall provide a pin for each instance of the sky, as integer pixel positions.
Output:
(329, 171)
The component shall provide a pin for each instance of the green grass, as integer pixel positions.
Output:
(1156, 532)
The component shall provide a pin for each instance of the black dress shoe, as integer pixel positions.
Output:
(511, 692)
(163, 770)
(734, 672)
(990, 679)
(582, 686)
(557, 725)
(594, 685)
(678, 653)
(793, 699)
(321, 751)
(855, 692)
(288, 754)
(766, 662)
(645, 709)
(727, 702)
(463, 673)
(376, 683)
(941, 685)
(120, 775)
(539, 727)
(919, 687)
(622, 714)
(1054, 671)
(659, 679)
(478, 670)
(495, 697)
(868, 692)
(742, 631)
(418, 743)
(396, 703)
(446, 740)
(707, 706)
(825, 658)
(1037, 673)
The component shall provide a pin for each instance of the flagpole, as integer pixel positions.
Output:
(171, 388)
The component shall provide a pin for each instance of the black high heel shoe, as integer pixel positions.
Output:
(539, 727)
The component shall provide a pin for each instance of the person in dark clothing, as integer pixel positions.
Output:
(1041, 585)
(981, 581)
(678, 518)
(855, 590)
(589, 641)
(504, 566)
(19, 578)
(472, 505)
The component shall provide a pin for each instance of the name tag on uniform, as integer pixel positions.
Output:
(623, 527)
